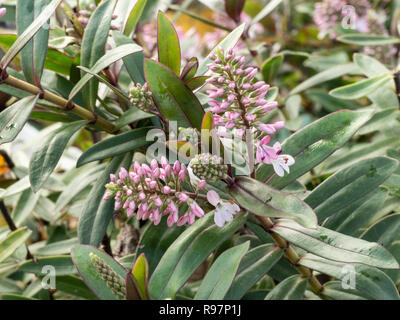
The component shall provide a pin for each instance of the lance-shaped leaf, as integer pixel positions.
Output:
(335, 246)
(270, 67)
(62, 264)
(141, 273)
(335, 290)
(372, 282)
(266, 11)
(357, 214)
(326, 75)
(74, 286)
(114, 146)
(14, 117)
(12, 242)
(174, 100)
(220, 276)
(155, 241)
(134, 17)
(190, 69)
(109, 58)
(292, 288)
(183, 148)
(227, 43)
(260, 199)
(368, 39)
(169, 50)
(93, 46)
(384, 231)
(186, 254)
(134, 63)
(97, 213)
(314, 143)
(257, 262)
(369, 65)
(361, 88)
(81, 258)
(350, 184)
(45, 159)
(29, 33)
(34, 53)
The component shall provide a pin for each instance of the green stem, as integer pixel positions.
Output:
(293, 257)
(61, 102)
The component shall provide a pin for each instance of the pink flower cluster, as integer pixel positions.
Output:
(237, 101)
(329, 13)
(153, 191)
(3, 11)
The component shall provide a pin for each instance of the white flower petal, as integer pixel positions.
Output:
(219, 219)
(277, 167)
(213, 198)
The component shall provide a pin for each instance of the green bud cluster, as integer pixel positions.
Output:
(141, 97)
(209, 167)
(115, 282)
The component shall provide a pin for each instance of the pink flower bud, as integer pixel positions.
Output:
(142, 196)
(113, 177)
(123, 174)
(183, 197)
(201, 184)
(154, 164)
(164, 162)
(152, 185)
(158, 202)
(117, 205)
(166, 190)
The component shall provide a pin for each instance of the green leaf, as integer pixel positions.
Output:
(74, 286)
(77, 185)
(324, 76)
(141, 273)
(220, 276)
(14, 117)
(134, 17)
(270, 67)
(266, 11)
(12, 242)
(350, 184)
(169, 50)
(372, 282)
(25, 205)
(196, 82)
(155, 241)
(260, 199)
(97, 213)
(132, 115)
(81, 258)
(361, 88)
(63, 265)
(357, 214)
(257, 262)
(173, 99)
(93, 46)
(227, 43)
(335, 290)
(55, 248)
(380, 120)
(368, 39)
(292, 288)
(134, 63)
(314, 143)
(109, 58)
(33, 55)
(190, 69)
(115, 146)
(29, 33)
(335, 246)
(186, 254)
(369, 65)
(45, 159)
(384, 231)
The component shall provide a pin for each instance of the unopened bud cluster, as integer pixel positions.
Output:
(113, 280)
(237, 101)
(85, 14)
(141, 97)
(152, 192)
(209, 167)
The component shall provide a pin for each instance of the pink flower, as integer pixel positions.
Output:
(266, 153)
(282, 163)
(195, 209)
